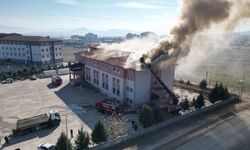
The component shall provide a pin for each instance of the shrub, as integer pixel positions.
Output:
(63, 142)
(99, 133)
(82, 140)
(185, 105)
(188, 82)
(146, 116)
(158, 116)
(203, 84)
(199, 102)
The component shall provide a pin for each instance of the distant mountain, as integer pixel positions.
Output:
(64, 33)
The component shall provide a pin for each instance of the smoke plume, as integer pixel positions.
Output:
(197, 16)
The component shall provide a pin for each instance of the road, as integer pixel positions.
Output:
(228, 128)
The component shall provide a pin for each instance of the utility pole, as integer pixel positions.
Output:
(206, 75)
(242, 85)
(210, 79)
(67, 130)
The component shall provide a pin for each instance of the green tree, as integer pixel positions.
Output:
(213, 95)
(158, 116)
(188, 82)
(185, 105)
(226, 93)
(203, 84)
(63, 142)
(146, 116)
(200, 101)
(99, 133)
(82, 140)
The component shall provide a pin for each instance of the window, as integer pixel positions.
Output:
(107, 81)
(19, 54)
(23, 49)
(114, 86)
(131, 90)
(103, 80)
(42, 50)
(130, 101)
(2, 48)
(127, 99)
(118, 87)
(127, 88)
(47, 50)
(60, 54)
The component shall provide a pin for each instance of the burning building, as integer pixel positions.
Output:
(113, 74)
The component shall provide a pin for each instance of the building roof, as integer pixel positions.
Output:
(113, 57)
(27, 38)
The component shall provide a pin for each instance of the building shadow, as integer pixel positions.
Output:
(84, 97)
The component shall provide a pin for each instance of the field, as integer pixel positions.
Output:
(227, 66)
(68, 53)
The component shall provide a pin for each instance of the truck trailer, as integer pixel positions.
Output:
(31, 124)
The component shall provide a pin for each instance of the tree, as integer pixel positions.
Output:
(158, 117)
(115, 126)
(203, 84)
(99, 133)
(188, 82)
(82, 140)
(63, 142)
(200, 101)
(146, 116)
(213, 95)
(185, 104)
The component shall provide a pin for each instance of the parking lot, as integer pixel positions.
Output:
(28, 98)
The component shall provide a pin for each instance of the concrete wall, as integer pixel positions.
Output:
(142, 90)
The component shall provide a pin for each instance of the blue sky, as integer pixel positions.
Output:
(138, 15)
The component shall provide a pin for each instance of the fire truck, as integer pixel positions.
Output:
(108, 105)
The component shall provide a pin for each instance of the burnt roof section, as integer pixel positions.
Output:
(28, 38)
(113, 57)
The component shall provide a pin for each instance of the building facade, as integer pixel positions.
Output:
(130, 85)
(31, 49)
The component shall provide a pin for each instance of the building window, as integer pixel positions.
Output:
(127, 99)
(47, 50)
(96, 76)
(118, 87)
(107, 81)
(131, 90)
(127, 88)
(103, 80)
(114, 86)
(2, 48)
(60, 54)
(130, 101)
(42, 50)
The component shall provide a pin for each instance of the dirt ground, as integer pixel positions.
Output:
(68, 53)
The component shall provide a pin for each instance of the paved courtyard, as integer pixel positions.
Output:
(28, 98)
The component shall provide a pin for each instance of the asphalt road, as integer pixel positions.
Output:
(228, 128)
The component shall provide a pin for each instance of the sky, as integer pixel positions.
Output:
(137, 15)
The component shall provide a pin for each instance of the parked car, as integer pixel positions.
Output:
(33, 77)
(9, 80)
(46, 146)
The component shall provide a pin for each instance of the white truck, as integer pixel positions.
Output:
(31, 124)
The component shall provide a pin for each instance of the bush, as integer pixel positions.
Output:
(99, 133)
(63, 142)
(199, 102)
(82, 140)
(158, 116)
(218, 93)
(181, 81)
(146, 116)
(203, 84)
(188, 82)
(185, 105)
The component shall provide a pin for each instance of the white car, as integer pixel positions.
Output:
(9, 80)
(46, 146)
